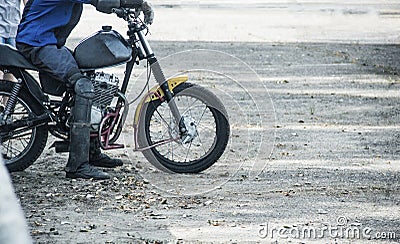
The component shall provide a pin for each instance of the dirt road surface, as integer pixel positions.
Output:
(314, 154)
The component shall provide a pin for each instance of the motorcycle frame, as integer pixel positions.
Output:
(141, 50)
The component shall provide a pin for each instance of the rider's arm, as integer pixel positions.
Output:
(106, 6)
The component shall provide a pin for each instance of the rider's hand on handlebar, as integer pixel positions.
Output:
(109, 6)
(148, 12)
(140, 5)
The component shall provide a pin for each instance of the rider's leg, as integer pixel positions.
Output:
(60, 64)
(78, 161)
(96, 158)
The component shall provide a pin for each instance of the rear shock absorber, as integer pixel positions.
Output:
(12, 99)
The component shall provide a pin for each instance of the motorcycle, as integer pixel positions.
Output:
(179, 126)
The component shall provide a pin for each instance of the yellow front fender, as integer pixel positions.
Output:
(156, 93)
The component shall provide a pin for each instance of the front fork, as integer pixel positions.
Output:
(161, 80)
(164, 90)
(158, 75)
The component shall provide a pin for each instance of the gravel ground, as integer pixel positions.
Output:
(329, 152)
(314, 154)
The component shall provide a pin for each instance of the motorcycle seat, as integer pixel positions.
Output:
(11, 57)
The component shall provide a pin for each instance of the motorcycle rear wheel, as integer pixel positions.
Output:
(21, 149)
(212, 126)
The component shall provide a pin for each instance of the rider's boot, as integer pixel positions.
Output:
(78, 162)
(96, 158)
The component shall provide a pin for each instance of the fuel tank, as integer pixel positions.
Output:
(103, 49)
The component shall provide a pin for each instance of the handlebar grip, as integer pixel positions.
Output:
(118, 11)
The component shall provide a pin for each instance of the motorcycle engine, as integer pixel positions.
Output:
(105, 89)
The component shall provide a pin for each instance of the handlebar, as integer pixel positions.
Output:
(131, 16)
(125, 13)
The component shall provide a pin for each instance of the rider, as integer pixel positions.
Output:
(10, 16)
(42, 33)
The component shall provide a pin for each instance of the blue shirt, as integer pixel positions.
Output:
(49, 22)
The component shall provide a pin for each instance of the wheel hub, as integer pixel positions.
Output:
(188, 129)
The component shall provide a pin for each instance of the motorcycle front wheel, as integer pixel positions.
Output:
(200, 108)
(20, 148)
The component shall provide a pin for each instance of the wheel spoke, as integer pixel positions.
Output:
(201, 117)
(172, 151)
(161, 117)
(188, 150)
(176, 152)
(23, 141)
(202, 145)
(189, 108)
(12, 149)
